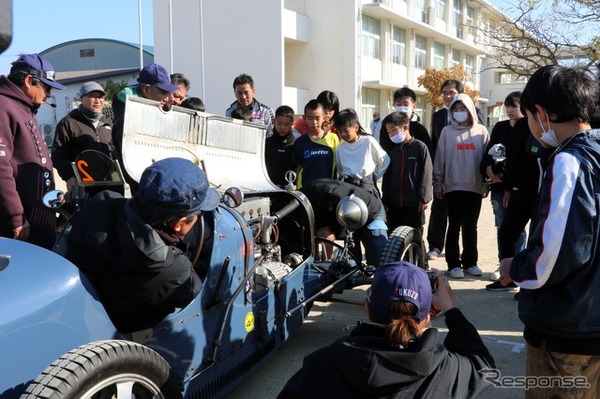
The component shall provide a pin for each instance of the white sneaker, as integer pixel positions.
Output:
(431, 255)
(496, 275)
(456, 273)
(474, 271)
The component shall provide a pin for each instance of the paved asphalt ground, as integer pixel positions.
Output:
(494, 314)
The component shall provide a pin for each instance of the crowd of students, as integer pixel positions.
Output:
(540, 166)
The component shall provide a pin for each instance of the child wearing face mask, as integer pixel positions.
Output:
(407, 182)
(457, 179)
(405, 101)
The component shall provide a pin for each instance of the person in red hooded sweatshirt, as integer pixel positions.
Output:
(25, 163)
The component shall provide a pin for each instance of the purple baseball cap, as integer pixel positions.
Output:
(38, 67)
(155, 75)
(399, 281)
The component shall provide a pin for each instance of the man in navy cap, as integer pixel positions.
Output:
(154, 83)
(131, 249)
(25, 164)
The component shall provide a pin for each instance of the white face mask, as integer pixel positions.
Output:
(548, 136)
(402, 108)
(461, 116)
(398, 138)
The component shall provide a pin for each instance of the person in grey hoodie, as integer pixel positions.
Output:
(400, 357)
(457, 179)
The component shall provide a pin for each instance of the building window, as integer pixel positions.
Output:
(470, 20)
(456, 57)
(371, 37)
(507, 77)
(440, 9)
(456, 60)
(370, 102)
(439, 59)
(420, 52)
(90, 52)
(398, 46)
(421, 11)
(469, 66)
(456, 17)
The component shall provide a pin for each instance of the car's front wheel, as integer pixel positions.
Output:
(404, 243)
(106, 370)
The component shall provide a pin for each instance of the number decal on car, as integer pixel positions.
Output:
(80, 166)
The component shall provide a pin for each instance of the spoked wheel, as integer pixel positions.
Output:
(404, 243)
(107, 370)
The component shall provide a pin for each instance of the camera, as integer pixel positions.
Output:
(433, 280)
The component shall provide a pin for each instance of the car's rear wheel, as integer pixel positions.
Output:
(106, 370)
(405, 243)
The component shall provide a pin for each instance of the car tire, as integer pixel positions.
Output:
(100, 368)
(404, 243)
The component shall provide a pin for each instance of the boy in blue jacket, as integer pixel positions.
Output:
(558, 272)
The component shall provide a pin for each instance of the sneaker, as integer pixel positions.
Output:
(497, 286)
(456, 273)
(433, 254)
(474, 271)
(496, 275)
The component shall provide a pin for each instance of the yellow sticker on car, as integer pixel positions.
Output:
(249, 322)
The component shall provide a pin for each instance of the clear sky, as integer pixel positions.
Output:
(41, 24)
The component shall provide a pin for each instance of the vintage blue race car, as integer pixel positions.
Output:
(258, 262)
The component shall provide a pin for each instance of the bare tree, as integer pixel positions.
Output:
(534, 33)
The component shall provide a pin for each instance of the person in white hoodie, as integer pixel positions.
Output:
(457, 179)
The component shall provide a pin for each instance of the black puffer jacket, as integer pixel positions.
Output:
(138, 276)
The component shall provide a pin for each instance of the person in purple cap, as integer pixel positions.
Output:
(25, 164)
(399, 357)
(154, 83)
(132, 250)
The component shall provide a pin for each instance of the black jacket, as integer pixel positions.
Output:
(408, 179)
(324, 196)
(501, 134)
(75, 134)
(558, 271)
(139, 277)
(417, 131)
(278, 157)
(364, 366)
(525, 162)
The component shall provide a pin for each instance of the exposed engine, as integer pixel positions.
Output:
(274, 265)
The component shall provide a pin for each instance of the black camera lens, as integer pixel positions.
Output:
(433, 280)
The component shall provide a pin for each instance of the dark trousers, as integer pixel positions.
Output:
(438, 219)
(405, 216)
(463, 213)
(519, 211)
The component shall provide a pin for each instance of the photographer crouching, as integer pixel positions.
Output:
(399, 357)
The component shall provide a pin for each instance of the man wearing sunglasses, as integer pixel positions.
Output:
(25, 164)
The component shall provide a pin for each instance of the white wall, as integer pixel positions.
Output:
(239, 37)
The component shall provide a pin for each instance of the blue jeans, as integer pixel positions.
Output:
(499, 213)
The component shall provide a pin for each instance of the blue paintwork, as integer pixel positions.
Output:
(48, 308)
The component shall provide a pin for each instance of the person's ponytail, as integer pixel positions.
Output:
(403, 327)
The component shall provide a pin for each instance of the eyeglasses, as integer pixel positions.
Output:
(449, 93)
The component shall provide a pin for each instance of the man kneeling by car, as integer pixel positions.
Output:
(129, 248)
